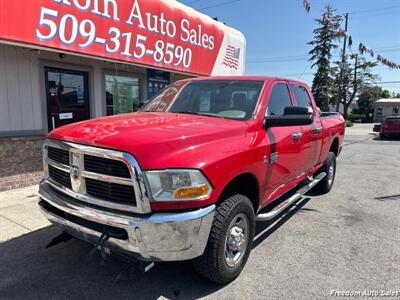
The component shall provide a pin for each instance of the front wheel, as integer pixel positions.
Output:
(230, 241)
(329, 167)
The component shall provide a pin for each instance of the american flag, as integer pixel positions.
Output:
(231, 59)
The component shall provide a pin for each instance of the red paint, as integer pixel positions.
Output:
(20, 22)
(221, 148)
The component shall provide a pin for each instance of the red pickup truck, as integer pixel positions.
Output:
(187, 176)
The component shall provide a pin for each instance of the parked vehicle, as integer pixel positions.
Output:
(188, 176)
(377, 127)
(390, 127)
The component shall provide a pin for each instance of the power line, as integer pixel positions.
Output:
(218, 4)
(376, 15)
(374, 10)
(305, 56)
(194, 1)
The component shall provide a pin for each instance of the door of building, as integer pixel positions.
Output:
(67, 96)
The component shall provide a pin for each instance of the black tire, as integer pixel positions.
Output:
(325, 185)
(213, 264)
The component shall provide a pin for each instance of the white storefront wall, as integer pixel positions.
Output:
(23, 106)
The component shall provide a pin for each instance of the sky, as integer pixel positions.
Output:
(277, 32)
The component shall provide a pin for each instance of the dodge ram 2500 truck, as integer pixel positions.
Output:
(187, 176)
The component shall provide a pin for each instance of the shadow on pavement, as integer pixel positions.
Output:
(265, 229)
(390, 197)
(28, 270)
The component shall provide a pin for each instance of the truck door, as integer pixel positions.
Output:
(311, 135)
(284, 148)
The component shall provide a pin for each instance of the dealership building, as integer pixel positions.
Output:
(64, 61)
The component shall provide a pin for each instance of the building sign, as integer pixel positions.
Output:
(156, 81)
(164, 34)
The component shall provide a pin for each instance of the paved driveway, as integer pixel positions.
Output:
(348, 239)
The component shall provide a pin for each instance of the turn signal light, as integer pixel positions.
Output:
(192, 192)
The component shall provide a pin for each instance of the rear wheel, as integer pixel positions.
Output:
(230, 241)
(329, 167)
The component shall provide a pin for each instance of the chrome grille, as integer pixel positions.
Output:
(60, 177)
(58, 155)
(98, 176)
(110, 191)
(106, 166)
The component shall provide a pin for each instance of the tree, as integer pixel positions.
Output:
(385, 94)
(367, 98)
(357, 76)
(323, 43)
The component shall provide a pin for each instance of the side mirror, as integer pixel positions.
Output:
(293, 116)
(297, 110)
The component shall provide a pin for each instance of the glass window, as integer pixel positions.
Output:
(122, 94)
(396, 110)
(279, 99)
(379, 111)
(67, 96)
(392, 120)
(302, 97)
(216, 98)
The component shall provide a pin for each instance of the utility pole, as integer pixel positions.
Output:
(341, 92)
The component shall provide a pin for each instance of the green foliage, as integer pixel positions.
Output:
(357, 117)
(349, 123)
(366, 100)
(357, 76)
(325, 36)
(385, 94)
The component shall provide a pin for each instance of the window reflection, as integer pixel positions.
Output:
(122, 94)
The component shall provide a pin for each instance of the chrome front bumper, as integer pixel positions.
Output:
(153, 237)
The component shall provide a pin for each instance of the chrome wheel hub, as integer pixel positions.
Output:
(331, 173)
(236, 240)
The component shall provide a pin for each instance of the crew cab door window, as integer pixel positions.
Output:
(311, 139)
(302, 97)
(279, 99)
(283, 152)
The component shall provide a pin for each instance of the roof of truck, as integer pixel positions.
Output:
(250, 78)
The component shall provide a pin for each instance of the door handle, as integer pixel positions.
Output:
(296, 136)
(317, 130)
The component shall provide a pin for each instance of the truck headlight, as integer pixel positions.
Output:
(178, 185)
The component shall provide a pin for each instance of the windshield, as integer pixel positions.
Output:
(392, 120)
(216, 98)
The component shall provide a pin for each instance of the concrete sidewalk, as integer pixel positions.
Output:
(19, 213)
(360, 129)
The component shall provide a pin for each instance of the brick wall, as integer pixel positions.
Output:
(20, 161)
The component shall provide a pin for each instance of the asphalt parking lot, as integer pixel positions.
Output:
(348, 239)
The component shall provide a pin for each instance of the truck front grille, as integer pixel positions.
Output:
(106, 166)
(61, 177)
(59, 155)
(97, 176)
(110, 191)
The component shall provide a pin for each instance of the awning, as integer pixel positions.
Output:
(159, 34)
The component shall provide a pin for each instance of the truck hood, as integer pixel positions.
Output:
(156, 140)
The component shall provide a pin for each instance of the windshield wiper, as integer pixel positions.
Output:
(186, 112)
